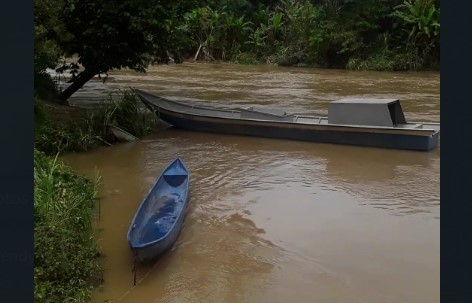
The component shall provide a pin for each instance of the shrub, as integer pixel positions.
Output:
(66, 256)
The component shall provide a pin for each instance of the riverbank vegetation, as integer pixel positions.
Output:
(66, 255)
(352, 34)
(60, 129)
(368, 34)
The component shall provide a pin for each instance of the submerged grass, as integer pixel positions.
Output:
(388, 61)
(121, 109)
(66, 255)
(90, 130)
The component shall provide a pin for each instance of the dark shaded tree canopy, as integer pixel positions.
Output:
(115, 34)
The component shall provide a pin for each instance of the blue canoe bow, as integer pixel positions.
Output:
(158, 220)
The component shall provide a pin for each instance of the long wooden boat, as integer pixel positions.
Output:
(158, 220)
(366, 122)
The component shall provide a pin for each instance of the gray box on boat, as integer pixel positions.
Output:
(371, 112)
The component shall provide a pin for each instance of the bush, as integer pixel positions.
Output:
(120, 109)
(245, 58)
(45, 87)
(62, 137)
(66, 256)
(380, 62)
(388, 61)
(90, 130)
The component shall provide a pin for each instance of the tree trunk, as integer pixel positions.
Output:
(198, 52)
(79, 81)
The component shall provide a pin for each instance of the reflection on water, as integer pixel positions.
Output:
(274, 220)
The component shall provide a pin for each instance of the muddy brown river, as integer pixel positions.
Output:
(275, 220)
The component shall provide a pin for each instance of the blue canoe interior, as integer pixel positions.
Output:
(158, 220)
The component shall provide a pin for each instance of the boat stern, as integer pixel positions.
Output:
(148, 254)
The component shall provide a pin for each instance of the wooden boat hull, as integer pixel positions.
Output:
(310, 133)
(121, 135)
(158, 220)
(395, 138)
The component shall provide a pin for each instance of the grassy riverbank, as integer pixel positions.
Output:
(66, 255)
(61, 128)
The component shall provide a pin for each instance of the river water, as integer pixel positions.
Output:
(275, 220)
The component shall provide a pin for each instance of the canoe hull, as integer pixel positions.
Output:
(301, 132)
(158, 221)
(150, 253)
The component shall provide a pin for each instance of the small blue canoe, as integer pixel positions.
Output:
(158, 220)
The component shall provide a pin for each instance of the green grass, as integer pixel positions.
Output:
(388, 61)
(88, 131)
(245, 59)
(66, 255)
(122, 109)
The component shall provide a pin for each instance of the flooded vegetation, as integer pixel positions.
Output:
(274, 220)
(57, 132)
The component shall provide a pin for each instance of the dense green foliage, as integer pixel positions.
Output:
(46, 49)
(90, 130)
(66, 256)
(357, 34)
(103, 35)
(121, 108)
(367, 34)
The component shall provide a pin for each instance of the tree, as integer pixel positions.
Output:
(421, 22)
(115, 34)
(47, 28)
